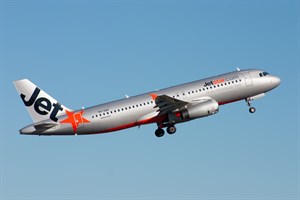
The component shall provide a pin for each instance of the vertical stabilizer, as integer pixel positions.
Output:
(39, 104)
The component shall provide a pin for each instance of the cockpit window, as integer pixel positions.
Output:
(263, 74)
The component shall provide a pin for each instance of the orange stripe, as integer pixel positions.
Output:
(142, 122)
(226, 102)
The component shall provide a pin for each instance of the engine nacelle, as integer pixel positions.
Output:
(203, 109)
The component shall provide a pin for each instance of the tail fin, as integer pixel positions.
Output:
(39, 104)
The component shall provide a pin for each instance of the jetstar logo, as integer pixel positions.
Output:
(75, 119)
(215, 82)
(219, 81)
(42, 105)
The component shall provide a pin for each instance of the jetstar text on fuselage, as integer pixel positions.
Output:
(219, 81)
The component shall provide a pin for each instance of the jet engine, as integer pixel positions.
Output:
(198, 110)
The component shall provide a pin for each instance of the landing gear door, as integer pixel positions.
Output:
(248, 79)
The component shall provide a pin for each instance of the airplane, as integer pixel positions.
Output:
(165, 107)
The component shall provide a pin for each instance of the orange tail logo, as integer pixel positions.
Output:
(75, 119)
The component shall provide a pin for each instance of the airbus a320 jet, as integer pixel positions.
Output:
(165, 107)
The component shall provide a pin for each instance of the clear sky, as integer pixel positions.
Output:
(89, 52)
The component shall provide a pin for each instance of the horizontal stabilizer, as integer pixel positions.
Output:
(44, 126)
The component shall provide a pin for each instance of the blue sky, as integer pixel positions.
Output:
(89, 52)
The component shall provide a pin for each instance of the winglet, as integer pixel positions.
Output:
(238, 69)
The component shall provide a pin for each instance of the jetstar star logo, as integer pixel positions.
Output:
(75, 119)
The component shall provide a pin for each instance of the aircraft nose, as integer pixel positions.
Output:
(275, 81)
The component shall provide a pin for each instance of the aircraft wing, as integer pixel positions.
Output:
(168, 104)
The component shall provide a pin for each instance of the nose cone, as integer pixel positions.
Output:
(275, 81)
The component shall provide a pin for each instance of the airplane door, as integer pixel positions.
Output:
(248, 79)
